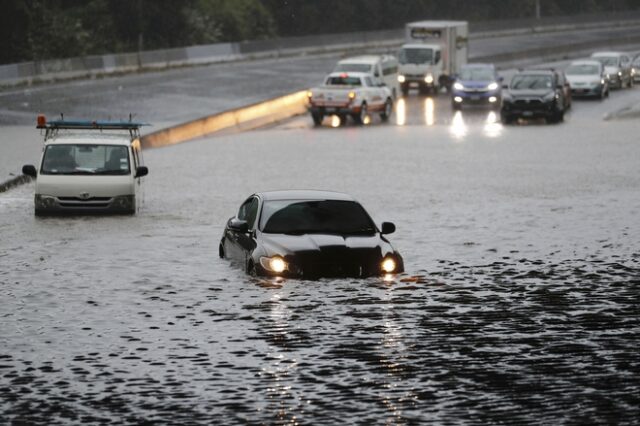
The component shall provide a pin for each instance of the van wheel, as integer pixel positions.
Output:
(317, 118)
(388, 108)
(404, 89)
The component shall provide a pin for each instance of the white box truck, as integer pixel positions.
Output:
(433, 54)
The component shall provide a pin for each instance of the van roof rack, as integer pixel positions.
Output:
(51, 127)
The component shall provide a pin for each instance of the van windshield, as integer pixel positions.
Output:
(72, 159)
(416, 56)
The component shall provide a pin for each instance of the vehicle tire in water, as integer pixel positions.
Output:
(361, 117)
(317, 118)
(386, 112)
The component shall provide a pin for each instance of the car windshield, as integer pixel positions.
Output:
(297, 217)
(416, 56)
(582, 69)
(477, 74)
(343, 81)
(353, 67)
(610, 61)
(531, 82)
(636, 61)
(69, 159)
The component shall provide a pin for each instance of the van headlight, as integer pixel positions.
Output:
(401, 78)
(428, 79)
(388, 265)
(274, 264)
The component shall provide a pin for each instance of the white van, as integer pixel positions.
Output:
(88, 167)
(383, 67)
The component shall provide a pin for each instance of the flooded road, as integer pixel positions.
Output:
(520, 302)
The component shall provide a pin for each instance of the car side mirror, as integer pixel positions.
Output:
(560, 86)
(505, 86)
(239, 225)
(388, 228)
(29, 170)
(142, 171)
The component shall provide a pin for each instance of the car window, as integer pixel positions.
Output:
(348, 67)
(86, 159)
(610, 61)
(249, 211)
(582, 69)
(308, 217)
(344, 80)
(368, 81)
(531, 82)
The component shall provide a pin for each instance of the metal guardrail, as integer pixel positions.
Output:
(59, 69)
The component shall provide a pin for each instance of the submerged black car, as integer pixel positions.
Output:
(536, 94)
(308, 234)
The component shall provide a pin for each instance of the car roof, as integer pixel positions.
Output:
(363, 59)
(304, 194)
(90, 138)
(586, 62)
(609, 53)
(538, 72)
(350, 74)
(420, 45)
(478, 65)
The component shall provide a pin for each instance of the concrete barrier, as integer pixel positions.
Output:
(245, 118)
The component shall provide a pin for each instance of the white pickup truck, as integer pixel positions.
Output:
(354, 94)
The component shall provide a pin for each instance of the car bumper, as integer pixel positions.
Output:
(52, 205)
(333, 109)
(476, 98)
(586, 91)
(533, 111)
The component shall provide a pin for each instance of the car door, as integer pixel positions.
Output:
(239, 245)
(376, 93)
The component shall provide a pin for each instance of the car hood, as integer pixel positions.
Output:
(581, 79)
(293, 244)
(530, 93)
(475, 84)
(611, 69)
(74, 185)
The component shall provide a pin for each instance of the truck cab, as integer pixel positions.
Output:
(432, 56)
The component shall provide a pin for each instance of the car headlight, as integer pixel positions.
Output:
(602, 81)
(274, 264)
(352, 95)
(458, 86)
(388, 265)
(506, 97)
(401, 78)
(550, 97)
(619, 73)
(493, 86)
(124, 201)
(428, 79)
(44, 201)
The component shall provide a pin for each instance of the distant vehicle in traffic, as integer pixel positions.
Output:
(635, 69)
(383, 67)
(88, 167)
(536, 94)
(587, 78)
(308, 234)
(617, 66)
(433, 53)
(477, 84)
(354, 94)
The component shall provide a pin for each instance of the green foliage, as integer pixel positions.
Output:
(44, 29)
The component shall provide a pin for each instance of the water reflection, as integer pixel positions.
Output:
(401, 112)
(429, 112)
(458, 128)
(493, 126)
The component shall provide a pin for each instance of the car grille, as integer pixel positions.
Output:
(77, 202)
(339, 262)
(530, 104)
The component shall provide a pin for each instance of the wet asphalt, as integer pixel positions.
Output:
(519, 305)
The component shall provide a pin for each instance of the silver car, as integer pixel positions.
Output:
(587, 78)
(617, 66)
(635, 68)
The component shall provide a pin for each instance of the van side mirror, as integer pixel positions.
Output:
(142, 171)
(500, 78)
(29, 170)
(388, 228)
(238, 225)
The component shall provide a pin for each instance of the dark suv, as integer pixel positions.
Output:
(536, 94)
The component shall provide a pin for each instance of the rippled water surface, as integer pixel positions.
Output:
(520, 302)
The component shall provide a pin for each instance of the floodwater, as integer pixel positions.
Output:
(519, 306)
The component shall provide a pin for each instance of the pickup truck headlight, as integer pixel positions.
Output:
(352, 95)
(458, 86)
